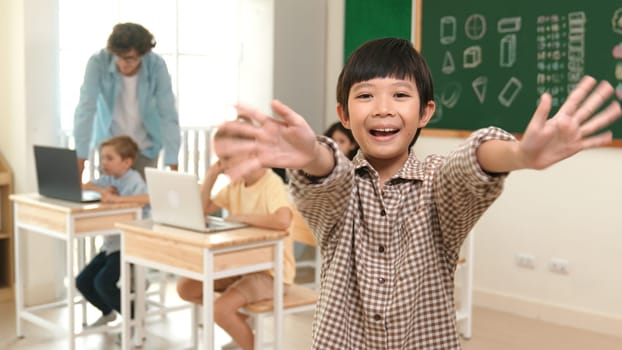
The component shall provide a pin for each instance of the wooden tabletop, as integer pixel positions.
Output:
(212, 240)
(65, 206)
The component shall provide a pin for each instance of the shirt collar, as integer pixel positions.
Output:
(413, 169)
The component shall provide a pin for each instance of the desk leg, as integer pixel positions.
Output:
(208, 300)
(194, 326)
(278, 296)
(71, 288)
(125, 298)
(19, 288)
(81, 264)
(139, 304)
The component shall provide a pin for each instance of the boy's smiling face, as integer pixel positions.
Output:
(384, 115)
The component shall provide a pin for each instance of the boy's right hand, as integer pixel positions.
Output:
(266, 142)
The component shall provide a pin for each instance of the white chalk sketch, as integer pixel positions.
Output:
(616, 21)
(619, 91)
(472, 57)
(448, 30)
(509, 25)
(509, 92)
(576, 47)
(451, 94)
(618, 71)
(475, 27)
(448, 64)
(480, 85)
(438, 113)
(507, 48)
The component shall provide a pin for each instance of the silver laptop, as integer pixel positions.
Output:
(175, 200)
(57, 175)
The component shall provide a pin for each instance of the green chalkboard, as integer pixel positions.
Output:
(491, 59)
(372, 19)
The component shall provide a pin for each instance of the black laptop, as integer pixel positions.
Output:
(57, 175)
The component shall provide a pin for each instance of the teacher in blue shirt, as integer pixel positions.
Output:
(127, 91)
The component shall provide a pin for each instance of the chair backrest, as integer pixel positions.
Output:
(300, 230)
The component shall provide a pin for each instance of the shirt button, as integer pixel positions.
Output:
(381, 280)
(377, 317)
(381, 248)
(383, 213)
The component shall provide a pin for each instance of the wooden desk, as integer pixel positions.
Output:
(201, 256)
(69, 222)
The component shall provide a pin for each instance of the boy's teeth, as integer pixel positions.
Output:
(383, 131)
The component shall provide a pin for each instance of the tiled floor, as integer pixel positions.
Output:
(492, 330)
(168, 332)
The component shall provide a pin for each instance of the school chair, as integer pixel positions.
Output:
(299, 298)
(306, 237)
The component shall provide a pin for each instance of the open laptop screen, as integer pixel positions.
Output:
(57, 174)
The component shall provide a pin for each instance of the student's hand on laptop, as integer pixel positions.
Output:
(234, 218)
(108, 197)
(110, 189)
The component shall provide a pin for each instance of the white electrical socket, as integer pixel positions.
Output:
(560, 266)
(525, 260)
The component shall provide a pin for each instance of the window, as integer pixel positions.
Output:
(202, 41)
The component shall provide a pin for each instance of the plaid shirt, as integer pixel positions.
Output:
(389, 255)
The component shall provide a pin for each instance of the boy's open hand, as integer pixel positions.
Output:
(265, 142)
(572, 128)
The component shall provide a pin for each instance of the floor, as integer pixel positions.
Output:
(492, 330)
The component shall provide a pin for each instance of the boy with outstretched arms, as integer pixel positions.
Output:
(389, 225)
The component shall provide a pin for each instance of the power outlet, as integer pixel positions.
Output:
(525, 260)
(559, 266)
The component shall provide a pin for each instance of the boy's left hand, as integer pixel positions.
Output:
(110, 190)
(108, 197)
(572, 128)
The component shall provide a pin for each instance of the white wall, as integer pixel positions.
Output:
(29, 112)
(570, 211)
(299, 57)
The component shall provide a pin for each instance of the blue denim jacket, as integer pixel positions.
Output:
(156, 103)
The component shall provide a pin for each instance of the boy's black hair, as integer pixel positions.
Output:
(128, 36)
(382, 58)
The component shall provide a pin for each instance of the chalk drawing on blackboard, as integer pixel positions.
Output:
(509, 25)
(619, 91)
(448, 63)
(451, 94)
(448, 30)
(472, 57)
(438, 112)
(480, 85)
(616, 21)
(576, 47)
(507, 54)
(619, 71)
(475, 27)
(510, 91)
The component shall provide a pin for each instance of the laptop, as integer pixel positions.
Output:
(57, 175)
(175, 200)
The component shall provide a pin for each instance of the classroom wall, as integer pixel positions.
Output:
(29, 114)
(299, 57)
(570, 211)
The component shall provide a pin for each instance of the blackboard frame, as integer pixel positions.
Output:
(431, 130)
